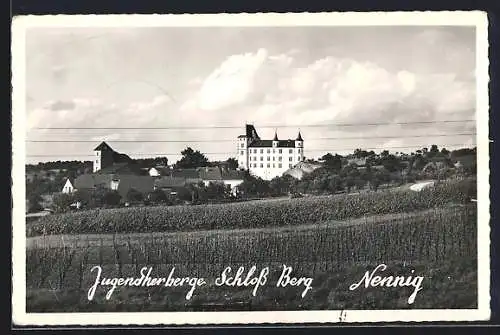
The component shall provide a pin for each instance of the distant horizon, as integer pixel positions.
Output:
(345, 153)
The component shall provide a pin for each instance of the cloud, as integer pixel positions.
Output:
(329, 90)
(61, 105)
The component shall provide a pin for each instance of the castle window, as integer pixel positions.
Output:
(279, 151)
(279, 165)
(97, 153)
(290, 165)
(254, 165)
(273, 158)
(268, 158)
(273, 165)
(290, 151)
(274, 151)
(261, 165)
(242, 152)
(298, 151)
(261, 158)
(298, 158)
(96, 161)
(242, 145)
(268, 165)
(290, 158)
(280, 158)
(261, 151)
(268, 151)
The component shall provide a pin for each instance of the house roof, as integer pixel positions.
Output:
(123, 168)
(217, 173)
(121, 158)
(103, 147)
(185, 173)
(269, 144)
(88, 181)
(126, 182)
(168, 182)
(210, 173)
(299, 137)
(143, 184)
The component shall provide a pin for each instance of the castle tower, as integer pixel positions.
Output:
(275, 140)
(103, 157)
(299, 146)
(244, 141)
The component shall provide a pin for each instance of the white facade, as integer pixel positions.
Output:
(68, 187)
(97, 161)
(154, 172)
(268, 158)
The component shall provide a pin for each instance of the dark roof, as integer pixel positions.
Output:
(269, 143)
(88, 181)
(120, 158)
(251, 132)
(299, 137)
(232, 175)
(126, 182)
(123, 168)
(185, 173)
(169, 182)
(242, 136)
(210, 173)
(217, 173)
(103, 147)
(275, 136)
(143, 184)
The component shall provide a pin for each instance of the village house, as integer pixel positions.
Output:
(222, 175)
(68, 187)
(120, 183)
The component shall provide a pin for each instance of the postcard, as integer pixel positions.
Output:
(250, 168)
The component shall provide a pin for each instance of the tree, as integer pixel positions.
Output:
(445, 152)
(332, 162)
(232, 163)
(61, 202)
(134, 195)
(157, 196)
(111, 198)
(34, 201)
(191, 159)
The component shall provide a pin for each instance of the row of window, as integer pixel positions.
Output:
(279, 166)
(280, 151)
(269, 151)
(290, 159)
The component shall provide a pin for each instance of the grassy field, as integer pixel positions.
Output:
(439, 244)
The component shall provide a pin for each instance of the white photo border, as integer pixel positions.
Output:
(446, 18)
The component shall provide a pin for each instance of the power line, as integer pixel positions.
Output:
(233, 153)
(232, 140)
(260, 126)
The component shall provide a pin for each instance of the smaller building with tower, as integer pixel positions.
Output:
(268, 158)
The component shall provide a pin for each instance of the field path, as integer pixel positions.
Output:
(84, 240)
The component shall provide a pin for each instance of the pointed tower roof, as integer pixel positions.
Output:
(103, 147)
(275, 136)
(299, 137)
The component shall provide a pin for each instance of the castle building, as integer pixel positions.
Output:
(268, 158)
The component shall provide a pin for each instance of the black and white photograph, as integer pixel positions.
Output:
(250, 168)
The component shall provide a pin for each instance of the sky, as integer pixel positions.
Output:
(281, 79)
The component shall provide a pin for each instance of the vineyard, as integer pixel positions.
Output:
(288, 212)
(332, 253)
